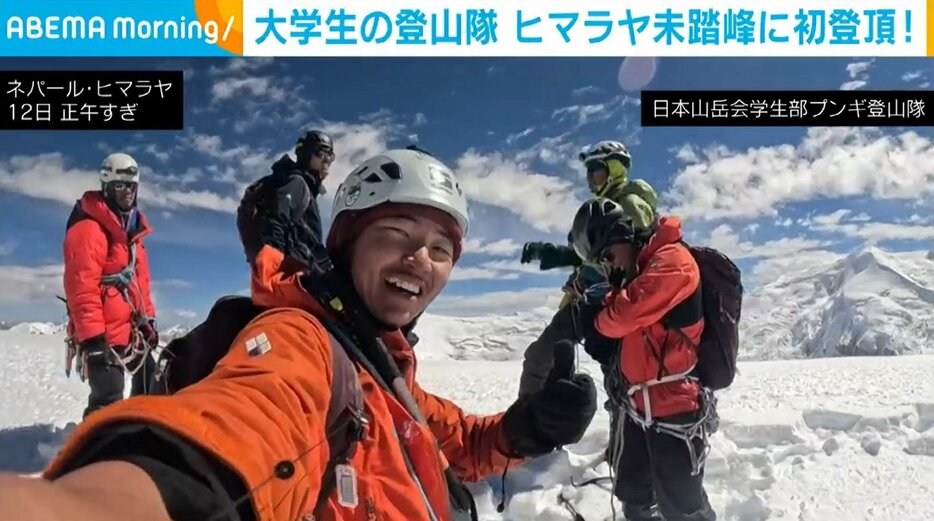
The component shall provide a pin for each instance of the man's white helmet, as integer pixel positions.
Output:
(607, 150)
(119, 167)
(402, 176)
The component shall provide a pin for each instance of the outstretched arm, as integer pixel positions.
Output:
(473, 445)
(88, 494)
(271, 403)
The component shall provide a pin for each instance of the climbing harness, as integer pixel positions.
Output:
(138, 348)
(705, 424)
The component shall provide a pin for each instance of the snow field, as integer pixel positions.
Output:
(840, 439)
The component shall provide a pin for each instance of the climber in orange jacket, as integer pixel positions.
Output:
(654, 448)
(107, 282)
(248, 441)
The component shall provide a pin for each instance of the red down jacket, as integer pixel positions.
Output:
(668, 274)
(97, 244)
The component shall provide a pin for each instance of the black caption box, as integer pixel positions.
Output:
(92, 100)
(793, 108)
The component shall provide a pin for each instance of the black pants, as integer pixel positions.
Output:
(106, 379)
(655, 468)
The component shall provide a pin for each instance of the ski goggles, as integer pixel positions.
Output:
(595, 165)
(124, 186)
(325, 153)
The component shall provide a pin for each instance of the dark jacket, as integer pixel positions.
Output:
(281, 211)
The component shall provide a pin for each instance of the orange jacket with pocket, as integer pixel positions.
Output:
(99, 245)
(253, 412)
(668, 274)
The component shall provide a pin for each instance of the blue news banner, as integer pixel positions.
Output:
(787, 108)
(92, 100)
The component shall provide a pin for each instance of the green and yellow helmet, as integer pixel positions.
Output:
(612, 156)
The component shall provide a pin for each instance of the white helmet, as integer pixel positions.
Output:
(402, 176)
(119, 167)
(607, 150)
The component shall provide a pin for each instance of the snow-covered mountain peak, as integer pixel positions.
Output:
(869, 302)
(38, 328)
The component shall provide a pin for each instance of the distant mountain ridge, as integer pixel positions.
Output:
(867, 303)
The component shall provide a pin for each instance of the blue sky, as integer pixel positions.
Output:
(767, 196)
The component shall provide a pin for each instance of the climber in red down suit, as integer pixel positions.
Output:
(107, 285)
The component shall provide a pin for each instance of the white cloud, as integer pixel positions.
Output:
(860, 68)
(544, 202)
(770, 269)
(502, 270)
(586, 90)
(874, 232)
(237, 65)
(828, 162)
(420, 119)
(46, 176)
(30, 176)
(480, 273)
(859, 74)
(241, 88)
(498, 302)
(853, 85)
(830, 218)
(173, 283)
(7, 247)
(511, 139)
(24, 284)
(502, 247)
(244, 95)
(726, 240)
(356, 142)
(557, 150)
(140, 149)
(582, 113)
(913, 76)
(585, 114)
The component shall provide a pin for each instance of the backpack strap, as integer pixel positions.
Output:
(346, 423)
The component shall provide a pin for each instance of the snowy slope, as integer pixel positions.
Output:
(869, 302)
(836, 439)
(491, 337)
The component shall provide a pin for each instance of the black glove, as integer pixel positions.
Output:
(549, 255)
(530, 251)
(585, 315)
(557, 415)
(95, 351)
(151, 334)
(601, 348)
(553, 256)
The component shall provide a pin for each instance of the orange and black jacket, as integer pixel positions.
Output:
(668, 275)
(224, 437)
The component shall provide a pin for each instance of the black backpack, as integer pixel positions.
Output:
(255, 198)
(720, 299)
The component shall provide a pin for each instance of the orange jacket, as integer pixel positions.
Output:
(254, 412)
(668, 274)
(99, 245)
